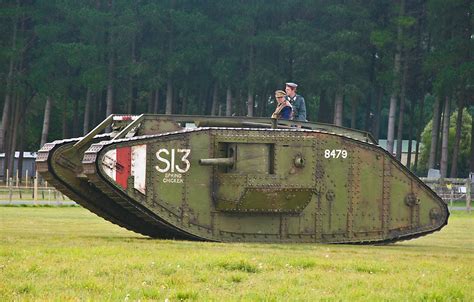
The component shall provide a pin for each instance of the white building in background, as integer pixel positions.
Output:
(28, 165)
(405, 144)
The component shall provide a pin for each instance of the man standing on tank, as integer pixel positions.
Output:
(297, 101)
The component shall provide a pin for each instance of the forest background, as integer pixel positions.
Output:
(394, 68)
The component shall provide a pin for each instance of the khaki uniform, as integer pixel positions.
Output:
(283, 111)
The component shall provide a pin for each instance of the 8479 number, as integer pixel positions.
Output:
(335, 153)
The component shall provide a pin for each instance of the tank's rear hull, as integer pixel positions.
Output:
(266, 185)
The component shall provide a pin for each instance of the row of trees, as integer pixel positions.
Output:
(362, 64)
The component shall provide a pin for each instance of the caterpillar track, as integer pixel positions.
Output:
(242, 179)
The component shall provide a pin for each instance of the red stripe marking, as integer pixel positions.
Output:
(123, 166)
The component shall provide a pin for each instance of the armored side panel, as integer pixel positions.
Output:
(60, 163)
(267, 185)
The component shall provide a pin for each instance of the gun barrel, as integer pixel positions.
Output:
(226, 161)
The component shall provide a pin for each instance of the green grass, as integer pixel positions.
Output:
(460, 203)
(69, 254)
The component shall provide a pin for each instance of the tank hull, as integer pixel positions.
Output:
(266, 185)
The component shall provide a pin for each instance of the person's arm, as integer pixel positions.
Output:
(285, 113)
(302, 110)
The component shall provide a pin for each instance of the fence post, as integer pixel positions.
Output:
(35, 188)
(10, 191)
(17, 184)
(26, 178)
(468, 195)
(7, 179)
(451, 195)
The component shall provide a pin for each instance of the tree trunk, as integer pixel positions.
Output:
(368, 112)
(47, 114)
(129, 105)
(184, 102)
(338, 104)
(250, 101)
(151, 101)
(5, 120)
(376, 121)
(133, 90)
(87, 112)
(444, 144)
(215, 99)
(21, 148)
(65, 124)
(250, 93)
(419, 129)
(440, 139)
(111, 68)
(95, 105)
(396, 85)
(468, 58)
(354, 112)
(240, 108)
(169, 97)
(75, 118)
(202, 108)
(471, 157)
(401, 112)
(325, 112)
(391, 123)
(434, 133)
(110, 86)
(265, 102)
(8, 88)
(13, 138)
(99, 111)
(410, 135)
(156, 103)
(228, 102)
(6, 146)
(457, 141)
(400, 130)
(260, 101)
(220, 110)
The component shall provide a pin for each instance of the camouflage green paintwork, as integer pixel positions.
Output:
(262, 180)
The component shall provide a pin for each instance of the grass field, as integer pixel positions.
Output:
(65, 254)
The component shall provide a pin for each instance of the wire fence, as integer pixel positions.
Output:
(454, 191)
(30, 190)
(23, 193)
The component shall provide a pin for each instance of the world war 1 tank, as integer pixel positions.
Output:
(242, 179)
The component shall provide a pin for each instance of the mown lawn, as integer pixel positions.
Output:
(65, 254)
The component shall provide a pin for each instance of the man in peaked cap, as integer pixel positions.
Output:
(297, 101)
